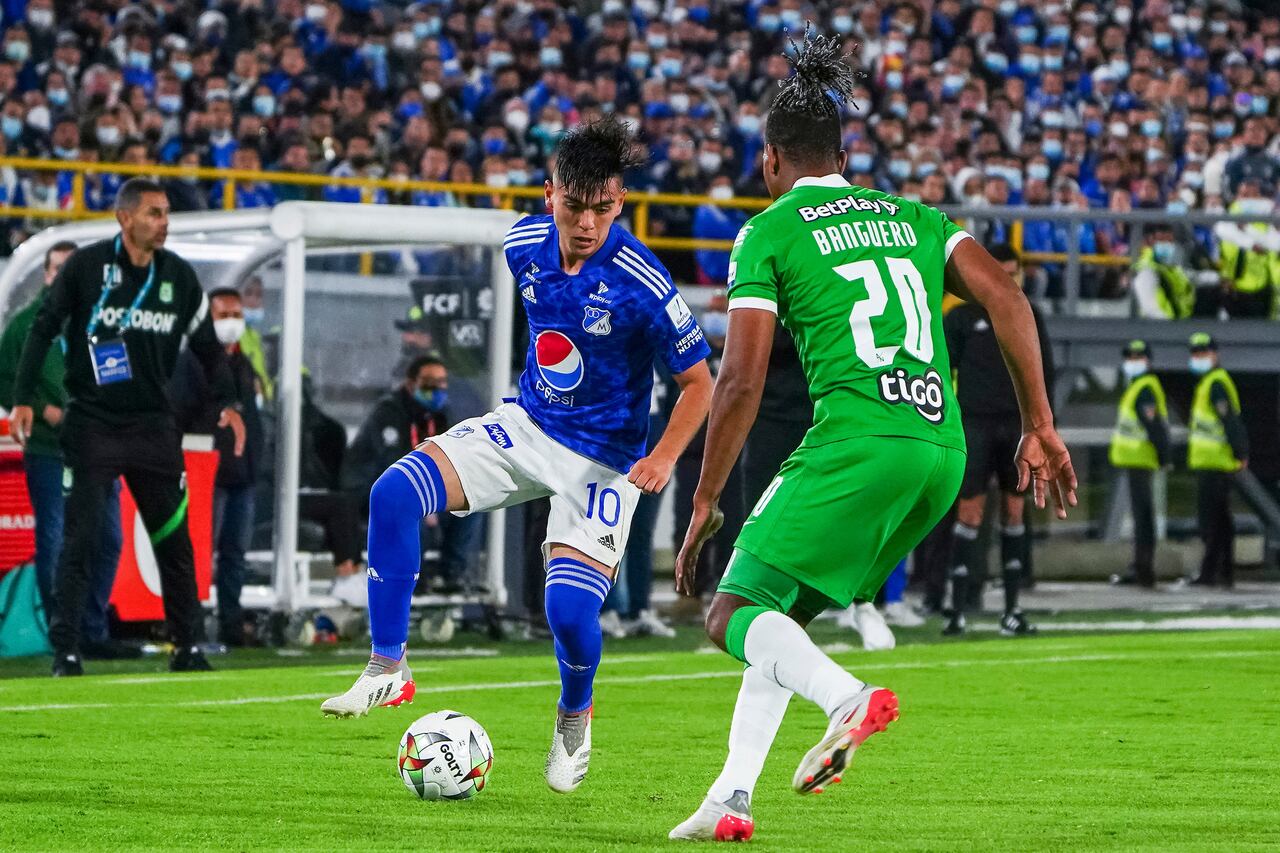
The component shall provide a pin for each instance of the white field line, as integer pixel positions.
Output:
(1189, 623)
(641, 679)
(236, 675)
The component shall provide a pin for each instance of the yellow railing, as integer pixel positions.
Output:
(640, 203)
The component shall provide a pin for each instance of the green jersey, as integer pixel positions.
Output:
(856, 276)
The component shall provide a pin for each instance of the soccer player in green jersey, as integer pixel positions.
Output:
(857, 277)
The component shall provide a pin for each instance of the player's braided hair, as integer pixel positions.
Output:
(591, 155)
(804, 120)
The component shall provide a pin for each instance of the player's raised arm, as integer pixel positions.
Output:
(1042, 457)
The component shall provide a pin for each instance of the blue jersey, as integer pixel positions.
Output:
(594, 337)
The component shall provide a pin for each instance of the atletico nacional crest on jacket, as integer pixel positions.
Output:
(597, 321)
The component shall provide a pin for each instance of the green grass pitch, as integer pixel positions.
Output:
(1157, 741)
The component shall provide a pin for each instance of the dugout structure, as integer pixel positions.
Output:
(242, 241)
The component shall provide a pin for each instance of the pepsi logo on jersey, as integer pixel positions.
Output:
(560, 365)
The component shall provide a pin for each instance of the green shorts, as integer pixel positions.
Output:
(838, 517)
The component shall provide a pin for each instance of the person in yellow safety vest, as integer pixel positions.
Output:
(1249, 255)
(1161, 288)
(1139, 446)
(1217, 448)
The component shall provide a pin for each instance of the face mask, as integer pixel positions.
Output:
(518, 121)
(1133, 368)
(1194, 24)
(1052, 148)
(58, 97)
(431, 91)
(1083, 42)
(1218, 28)
(433, 400)
(218, 95)
(404, 41)
(842, 24)
(1200, 364)
(1176, 208)
(1053, 62)
(1256, 206)
(18, 51)
(769, 23)
(553, 127)
(657, 41)
(1030, 63)
(671, 67)
(792, 18)
(1052, 119)
(1164, 252)
(550, 57)
(253, 317)
(1151, 127)
(11, 127)
(715, 324)
(1223, 129)
(41, 19)
(899, 109)
(996, 62)
(518, 177)
(709, 161)
(66, 153)
(169, 104)
(1122, 15)
(1008, 7)
(1120, 68)
(1162, 42)
(422, 29)
(316, 12)
(893, 80)
(108, 135)
(264, 105)
(1026, 35)
(1154, 154)
(896, 47)
(1038, 171)
(749, 125)
(721, 192)
(228, 330)
(182, 70)
(1259, 105)
(1271, 55)
(679, 102)
(860, 161)
(499, 58)
(900, 169)
(1059, 33)
(139, 59)
(498, 180)
(638, 61)
(1119, 129)
(952, 83)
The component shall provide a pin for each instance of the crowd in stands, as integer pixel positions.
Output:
(1110, 105)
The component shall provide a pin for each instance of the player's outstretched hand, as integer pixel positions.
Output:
(703, 524)
(1044, 463)
(651, 474)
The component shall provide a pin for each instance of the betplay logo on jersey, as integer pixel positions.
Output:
(924, 392)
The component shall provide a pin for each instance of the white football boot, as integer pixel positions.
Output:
(570, 751)
(384, 683)
(718, 821)
(900, 614)
(866, 712)
(876, 635)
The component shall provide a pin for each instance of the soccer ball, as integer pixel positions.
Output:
(445, 756)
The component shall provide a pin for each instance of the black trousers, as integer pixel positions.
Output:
(715, 555)
(1217, 529)
(149, 457)
(1143, 509)
(339, 514)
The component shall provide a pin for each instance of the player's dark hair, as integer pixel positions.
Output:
(591, 155)
(415, 366)
(804, 121)
(1004, 253)
(132, 191)
(225, 292)
(60, 246)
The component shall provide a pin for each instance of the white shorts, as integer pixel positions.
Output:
(503, 459)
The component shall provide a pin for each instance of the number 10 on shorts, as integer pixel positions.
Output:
(605, 504)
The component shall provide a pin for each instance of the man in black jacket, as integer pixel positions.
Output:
(398, 423)
(992, 429)
(233, 495)
(126, 305)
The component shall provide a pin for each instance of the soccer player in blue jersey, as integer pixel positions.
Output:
(601, 310)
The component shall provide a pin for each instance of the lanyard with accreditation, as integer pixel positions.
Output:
(110, 358)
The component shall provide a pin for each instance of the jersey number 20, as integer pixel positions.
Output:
(910, 288)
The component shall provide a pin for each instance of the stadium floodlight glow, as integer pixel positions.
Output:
(248, 238)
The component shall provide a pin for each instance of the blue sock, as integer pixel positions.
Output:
(406, 492)
(896, 584)
(575, 592)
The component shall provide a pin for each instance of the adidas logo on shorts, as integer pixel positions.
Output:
(607, 541)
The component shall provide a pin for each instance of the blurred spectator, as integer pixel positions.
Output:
(233, 495)
(251, 342)
(398, 423)
(1249, 254)
(1162, 290)
(712, 222)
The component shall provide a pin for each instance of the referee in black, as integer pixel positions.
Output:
(992, 430)
(124, 307)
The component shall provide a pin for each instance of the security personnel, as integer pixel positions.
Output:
(1161, 287)
(1140, 445)
(1217, 448)
(992, 429)
(1249, 255)
(126, 305)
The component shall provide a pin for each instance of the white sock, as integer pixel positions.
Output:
(787, 657)
(756, 717)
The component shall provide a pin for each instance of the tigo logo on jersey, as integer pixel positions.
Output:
(923, 392)
(597, 321)
(559, 362)
(499, 436)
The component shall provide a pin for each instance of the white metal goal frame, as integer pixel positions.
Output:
(287, 230)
